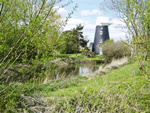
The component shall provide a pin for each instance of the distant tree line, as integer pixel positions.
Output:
(74, 40)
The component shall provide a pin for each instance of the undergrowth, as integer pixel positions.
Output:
(130, 96)
(121, 90)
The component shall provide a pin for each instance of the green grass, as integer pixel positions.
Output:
(97, 57)
(80, 57)
(77, 57)
(68, 55)
(121, 90)
(70, 86)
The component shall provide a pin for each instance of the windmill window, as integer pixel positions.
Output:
(101, 32)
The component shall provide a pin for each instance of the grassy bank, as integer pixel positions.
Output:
(72, 85)
(122, 90)
(80, 57)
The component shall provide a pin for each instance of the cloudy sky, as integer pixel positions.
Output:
(89, 15)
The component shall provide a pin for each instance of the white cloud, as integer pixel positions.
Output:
(69, 27)
(119, 25)
(90, 36)
(60, 10)
(89, 26)
(72, 22)
(93, 12)
(117, 21)
(116, 34)
(102, 19)
(77, 21)
(116, 31)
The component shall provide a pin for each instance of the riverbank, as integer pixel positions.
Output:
(48, 67)
(123, 89)
(100, 93)
(80, 57)
(106, 68)
(77, 58)
(80, 82)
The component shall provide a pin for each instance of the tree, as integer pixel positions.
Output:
(29, 32)
(29, 39)
(136, 15)
(74, 40)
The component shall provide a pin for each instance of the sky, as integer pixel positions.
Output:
(89, 15)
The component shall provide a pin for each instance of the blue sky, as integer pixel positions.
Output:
(89, 15)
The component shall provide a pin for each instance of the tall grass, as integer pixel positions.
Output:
(122, 90)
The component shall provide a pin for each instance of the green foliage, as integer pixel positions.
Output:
(86, 49)
(29, 35)
(97, 57)
(29, 39)
(119, 92)
(68, 55)
(22, 34)
(109, 41)
(11, 97)
(80, 58)
(120, 97)
(74, 39)
(56, 85)
(136, 16)
(114, 50)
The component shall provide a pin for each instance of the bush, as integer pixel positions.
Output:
(29, 38)
(130, 96)
(19, 97)
(89, 54)
(114, 50)
(13, 97)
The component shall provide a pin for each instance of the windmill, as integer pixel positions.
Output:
(101, 35)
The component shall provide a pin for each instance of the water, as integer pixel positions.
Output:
(76, 70)
(71, 71)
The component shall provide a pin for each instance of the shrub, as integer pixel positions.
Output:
(114, 50)
(13, 97)
(89, 54)
(31, 35)
(130, 96)
(109, 41)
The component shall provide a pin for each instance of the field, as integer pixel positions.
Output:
(80, 57)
